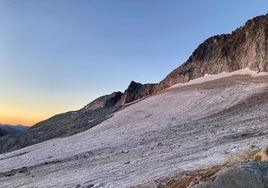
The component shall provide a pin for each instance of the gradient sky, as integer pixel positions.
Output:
(58, 55)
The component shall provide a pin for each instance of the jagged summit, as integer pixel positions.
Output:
(136, 91)
(246, 47)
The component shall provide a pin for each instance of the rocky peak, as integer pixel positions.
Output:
(246, 47)
(136, 91)
(134, 87)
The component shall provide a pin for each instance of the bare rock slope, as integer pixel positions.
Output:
(246, 47)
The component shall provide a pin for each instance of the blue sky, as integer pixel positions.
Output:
(58, 55)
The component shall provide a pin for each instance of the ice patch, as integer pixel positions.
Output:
(211, 77)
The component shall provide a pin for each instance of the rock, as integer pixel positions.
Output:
(249, 175)
(136, 91)
(125, 151)
(262, 155)
(99, 185)
(24, 170)
(127, 162)
(159, 144)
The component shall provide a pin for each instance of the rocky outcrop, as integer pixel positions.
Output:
(245, 47)
(247, 175)
(262, 155)
(241, 170)
(136, 91)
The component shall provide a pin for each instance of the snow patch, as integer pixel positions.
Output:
(211, 77)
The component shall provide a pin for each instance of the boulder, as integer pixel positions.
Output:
(253, 174)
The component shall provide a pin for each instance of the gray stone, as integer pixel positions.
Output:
(250, 175)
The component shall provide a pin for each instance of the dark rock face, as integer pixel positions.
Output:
(136, 91)
(245, 47)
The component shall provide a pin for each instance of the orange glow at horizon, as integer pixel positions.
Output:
(26, 117)
(29, 114)
(21, 107)
(23, 119)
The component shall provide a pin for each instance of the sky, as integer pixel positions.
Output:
(58, 55)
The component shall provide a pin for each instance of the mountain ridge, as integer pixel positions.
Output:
(12, 129)
(246, 47)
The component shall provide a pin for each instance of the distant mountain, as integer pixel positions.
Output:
(246, 47)
(2, 132)
(11, 129)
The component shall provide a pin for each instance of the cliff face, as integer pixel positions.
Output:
(245, 47)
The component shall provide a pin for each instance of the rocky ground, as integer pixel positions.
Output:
(246, 169)
(181, 129)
